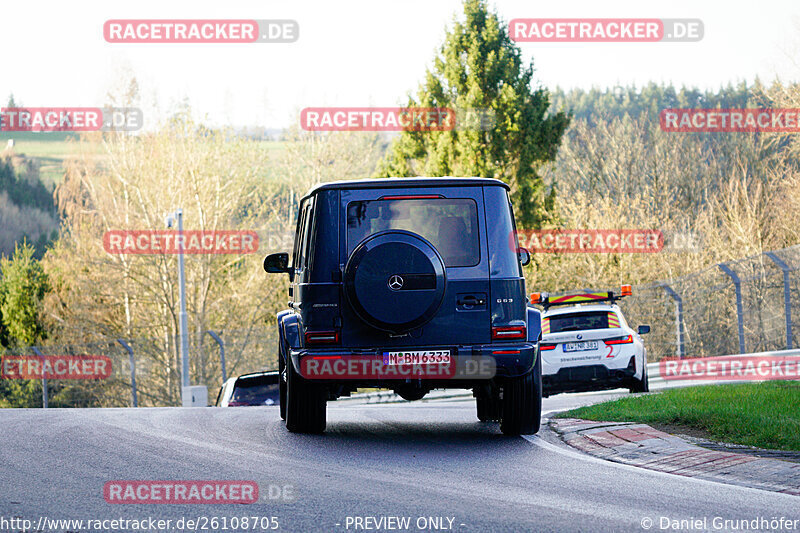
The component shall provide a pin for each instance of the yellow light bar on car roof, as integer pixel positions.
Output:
(547, 301)
(581, 298)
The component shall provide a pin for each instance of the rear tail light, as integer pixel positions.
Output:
(322, 337)
(543, 346)
(619, 340)
(509, 332)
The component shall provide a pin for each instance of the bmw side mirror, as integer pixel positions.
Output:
(277, 263)
(524, 256)
(641, 330)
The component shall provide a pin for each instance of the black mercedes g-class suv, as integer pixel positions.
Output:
(411, 284)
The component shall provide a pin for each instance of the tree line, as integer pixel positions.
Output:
(594, 159)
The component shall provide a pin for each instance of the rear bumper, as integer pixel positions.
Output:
(471, 365)
(589, 378)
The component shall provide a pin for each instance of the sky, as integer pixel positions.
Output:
(362, 53)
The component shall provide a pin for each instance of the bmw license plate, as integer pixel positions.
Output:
(417, 357)
(580, 346)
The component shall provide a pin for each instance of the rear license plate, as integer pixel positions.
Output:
(580, 346)
(417, 357)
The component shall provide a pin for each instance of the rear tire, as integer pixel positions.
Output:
(489, 408)
(642, 385)
(522, 403)
(281, 382)
(306, 403)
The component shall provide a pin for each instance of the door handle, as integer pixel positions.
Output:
(470, 300)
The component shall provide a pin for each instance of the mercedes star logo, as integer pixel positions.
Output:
(395, 282)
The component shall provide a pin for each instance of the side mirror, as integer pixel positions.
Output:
(524, 256)
(277, 263)
(641, 330)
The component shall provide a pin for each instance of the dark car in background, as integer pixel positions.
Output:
(394, 278)
(258, 388)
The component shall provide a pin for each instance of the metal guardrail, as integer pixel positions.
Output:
(746, 305)
(145, 370)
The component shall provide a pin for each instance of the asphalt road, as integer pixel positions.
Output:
(417, 460)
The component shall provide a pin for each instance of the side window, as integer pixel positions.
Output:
(516, 239)
(308, 226)
(503, 258)
(301, 219)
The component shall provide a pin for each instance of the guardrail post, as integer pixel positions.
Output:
(787, 297)
(133, 371)
(678, 319)
(44, 377)
(737, 283)
(221, 353)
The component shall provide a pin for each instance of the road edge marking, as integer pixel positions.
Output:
(536, 440)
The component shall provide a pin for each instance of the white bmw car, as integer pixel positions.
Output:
(589, 346)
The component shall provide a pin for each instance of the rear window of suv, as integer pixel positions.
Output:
(254, 391)
(578, 321)
(450, 224)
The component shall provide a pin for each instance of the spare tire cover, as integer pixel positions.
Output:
(395, 280)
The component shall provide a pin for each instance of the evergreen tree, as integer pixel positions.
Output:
(12, 102)
(23, 286)
(479, 72)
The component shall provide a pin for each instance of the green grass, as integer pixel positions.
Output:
(51, 145)
(275, 148)
(49, 149)
(49, 136)
(766, 415)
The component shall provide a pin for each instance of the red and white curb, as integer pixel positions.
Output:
(645, 447)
